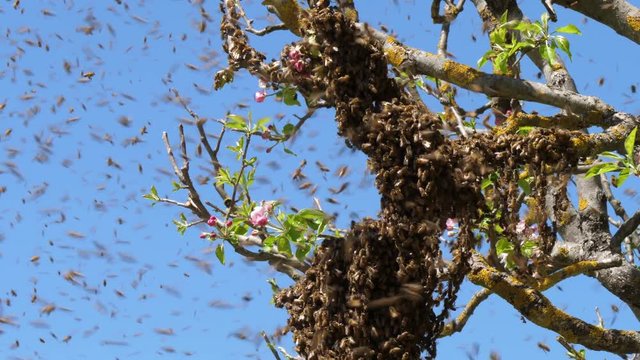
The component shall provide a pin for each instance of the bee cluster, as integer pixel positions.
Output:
(385, 290)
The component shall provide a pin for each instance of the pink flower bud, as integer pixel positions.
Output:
(266, 135)
(204, 235)
(260, 96)
(212, 221)
(229, 223)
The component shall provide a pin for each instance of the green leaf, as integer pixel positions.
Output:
(220, 253)
(239, 227)
(223, 177)
(498, 37)
(489, 180)
(302, 250)
(525, 186)
(569, 29)
(611, 155)
(545, 53)
(288, 129)
(527, 248)
(152, 195)
(544, 20)
(261, 124)
(268, 242)
(629, 143)
(622, 177)
(483, 60)
(176, 186)
(504, 17)
(503, 246)
(551, 54)
(288, 151)
(500, 62)
(563, 44)
(601, 169)
(283, 245)
(524, 26)
(289, 96)
(524, 130)
(511, 24)
(236, 122)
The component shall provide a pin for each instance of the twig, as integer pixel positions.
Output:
(260, 32)
(463, 131)
(459, 322)
(576, 354)
(270, 345)
(196, 205)
(615, 203)
(600, 319)
(626, 229)
(213, 154)
(243, 166)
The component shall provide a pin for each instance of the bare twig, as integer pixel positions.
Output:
(600, 319)
(461, 127)
(615, 203)
(259, 32)
(213, 154)
(196, 205)
(459, 322)
(270, 345)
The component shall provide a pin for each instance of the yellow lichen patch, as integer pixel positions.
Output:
(580, 143)
(634, 22)
(395, 53)
(459, 74)
(582, 204)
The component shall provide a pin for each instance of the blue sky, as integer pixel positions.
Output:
(141, 293)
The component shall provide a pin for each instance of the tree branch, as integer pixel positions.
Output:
(619, 15)
(422, 62)
(539, 310)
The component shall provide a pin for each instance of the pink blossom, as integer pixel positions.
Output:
(260, 216)
(294, 53)
(262, 84)
(212, 221)
(451, 224)
(521, 227)
(260, 96)
(299, 66)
